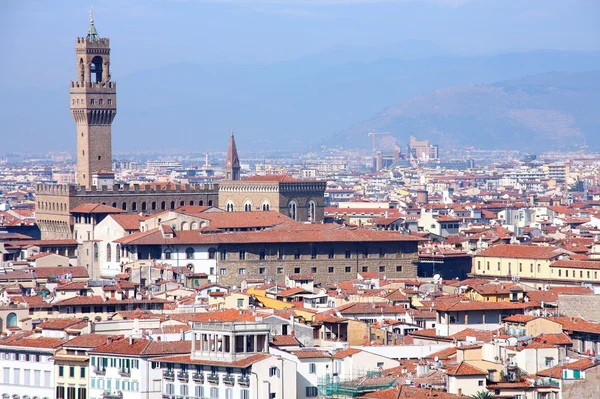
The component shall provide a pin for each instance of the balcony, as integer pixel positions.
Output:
(213, 378)
(112, 395)
(125, 372)
(99, 370)
(169, 375)
(244, 380)
(545, 382)
(228, 379)
(198, 377)
(183, 376)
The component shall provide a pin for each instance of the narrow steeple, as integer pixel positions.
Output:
(232, 163)
(92, 33)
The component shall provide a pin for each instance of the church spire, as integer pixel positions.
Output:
(232, 163)
(92, 33)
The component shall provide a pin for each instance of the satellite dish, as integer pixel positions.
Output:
(435, 359)
(437, 278)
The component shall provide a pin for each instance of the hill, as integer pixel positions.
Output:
(553, 110)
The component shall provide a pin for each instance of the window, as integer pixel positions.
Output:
(183, 390)
(280, 270)
(488, 265)
(296, 253)
(82, 372)
(520, 268)
(61, 371)
(280, 254)
(330, 269)
(211, 253)
(214, 393)
(242, 254)
(381, 253)
(240, 303)
(379, 364)
(222, 271)
(189, 253)
(262, 254)
(92, 101)
(100, 101)
(296, 270)
(199, 391)
(109, 101)
(312, 368)
(241, 271)
(498, 266)
(365, 269)
(313, 252)
(331, 253)
(398, 268)
(549, 361)
(273, 371)
(313, 270)
(348, 269)
(228, 393)
(223, 254)
(72, 372)
(312, 392)
(480, 383)
(478, 265)
(167, 254)
(170, 388)
(531, 268)
(245, 394)
(539, 268)
(348, 254)
(382, 269)
(261, 270)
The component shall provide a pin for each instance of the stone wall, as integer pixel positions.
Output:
(583, 389)
(584, 306)
(397, 260)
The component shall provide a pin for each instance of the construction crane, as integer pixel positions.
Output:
(373, 133)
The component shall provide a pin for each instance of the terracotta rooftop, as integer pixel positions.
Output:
(522, 251)
(464, 369)
(311, 354)
(96, 208)
(243, 363)
(285, 340)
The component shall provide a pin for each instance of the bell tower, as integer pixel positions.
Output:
(93, 106)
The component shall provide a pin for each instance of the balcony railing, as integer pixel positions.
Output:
(169, 374)
(545, 382)
(244, 380)
(99, 370)
(198, 377)
(112, 395)
(229, 379)
(183, 376)
(213, 378)
(125, 372)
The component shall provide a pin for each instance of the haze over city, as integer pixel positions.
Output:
(296, 74)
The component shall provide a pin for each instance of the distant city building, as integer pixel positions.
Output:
(422, 151)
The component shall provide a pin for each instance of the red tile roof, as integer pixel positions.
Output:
(522, 251)
(128, 222)
(242, 363)
(311, 354)
(556, 372)
(577, 264)
(285, 340)
(464, 369)
(346, 353)
(95, 208)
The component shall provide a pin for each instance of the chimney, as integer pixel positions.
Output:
(109, 339)
(130, 340)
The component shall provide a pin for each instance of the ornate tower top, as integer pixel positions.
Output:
(232, 163)
(92, 33)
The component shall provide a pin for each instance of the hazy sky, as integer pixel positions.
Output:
(38, 37)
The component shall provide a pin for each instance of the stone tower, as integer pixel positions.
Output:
(93, 106)
(232, 163)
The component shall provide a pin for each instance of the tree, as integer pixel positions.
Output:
(482, 395)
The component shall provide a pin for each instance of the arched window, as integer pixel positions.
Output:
(209, 202)
(248, 206)
(124, 206)
(182, 203)
(96, 69)
(118, 253)
(184, 226)
(108, 253)
(144, 206)
(201, 203)
(153, 205)
(229, 206)
(211, 253)
(189, 253)
(96, 251)
(311, 208)
(292, 210)
(192, 203)
(11, 320)
(193, 226)
(134, 206)
(172, 204)
(163, 205)
(266, 206)
(114, 204)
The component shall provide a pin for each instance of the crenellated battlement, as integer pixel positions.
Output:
(100, 86)
(147, 189)
(87, 42)
(55, 189)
